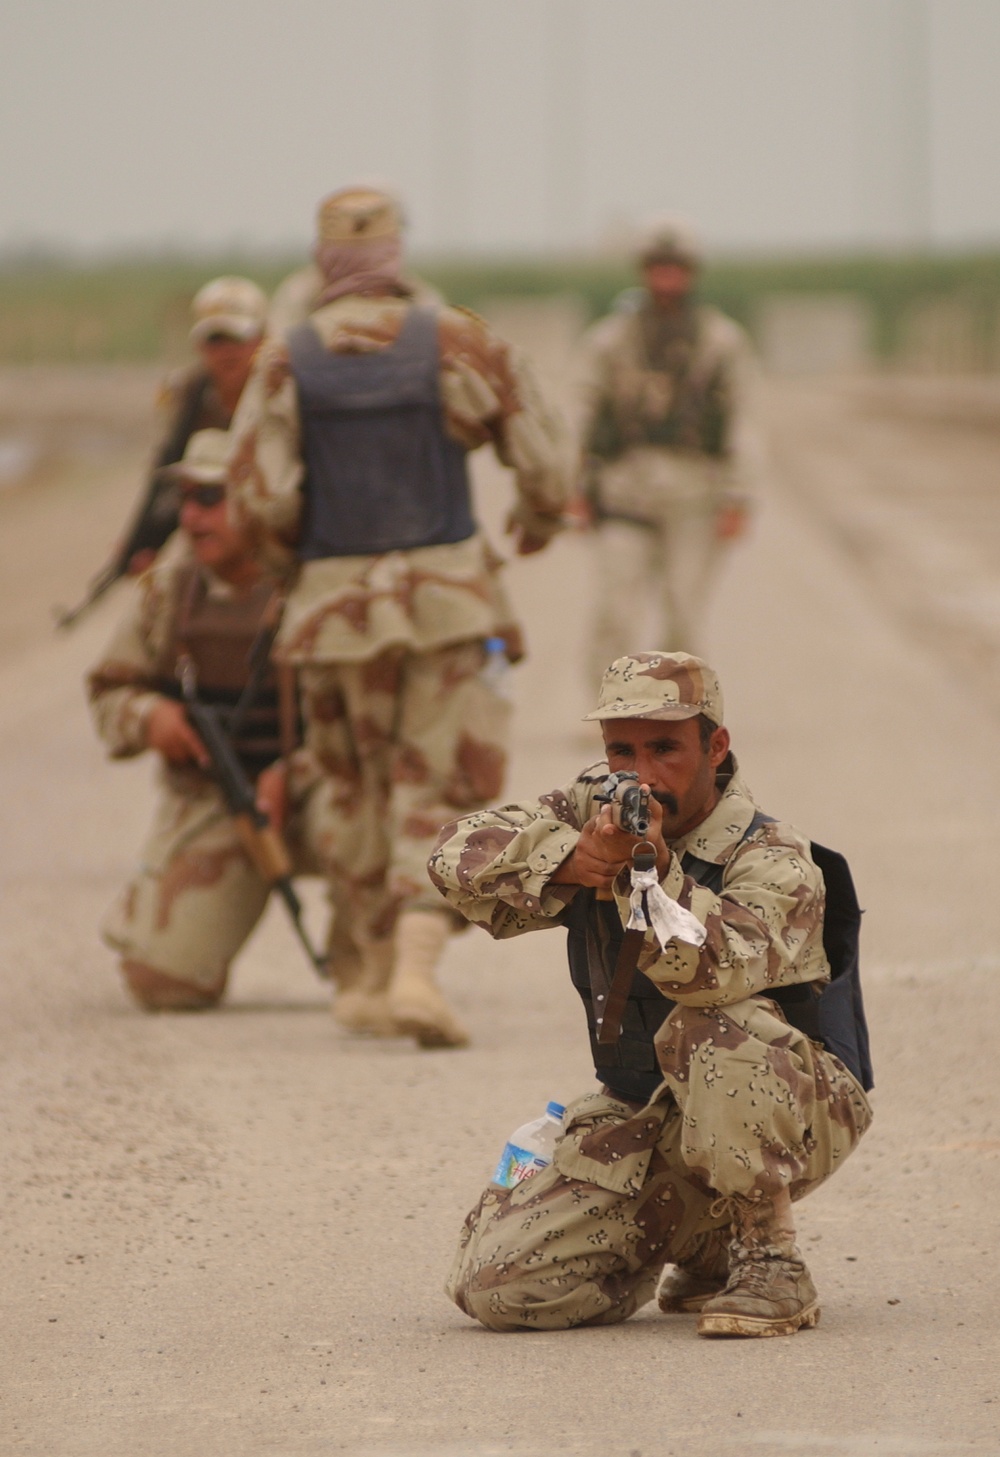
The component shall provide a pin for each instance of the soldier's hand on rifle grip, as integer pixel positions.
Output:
(169, 732)
(600, 853)
(272, 794)
(731, 522)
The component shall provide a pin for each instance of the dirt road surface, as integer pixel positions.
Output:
(226, 1234)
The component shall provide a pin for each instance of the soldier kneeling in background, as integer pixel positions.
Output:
(197, 894)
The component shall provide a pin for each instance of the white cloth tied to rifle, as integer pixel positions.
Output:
(650, 908)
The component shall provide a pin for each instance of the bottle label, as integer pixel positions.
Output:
(517, 1164)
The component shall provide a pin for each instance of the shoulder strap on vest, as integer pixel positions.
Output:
(708, 872)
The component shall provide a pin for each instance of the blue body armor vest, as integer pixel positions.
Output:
(381, 474)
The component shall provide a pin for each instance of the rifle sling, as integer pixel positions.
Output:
(610, 1027)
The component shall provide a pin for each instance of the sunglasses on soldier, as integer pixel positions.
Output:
(202, 495)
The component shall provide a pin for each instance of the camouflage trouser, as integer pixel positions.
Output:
(670, 565)
(749, 1107)
(196, 896)
(654, 578)
(406, 740)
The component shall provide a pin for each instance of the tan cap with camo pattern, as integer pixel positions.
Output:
(358, 215)
(206, 458)
(659, 685)
(233, 307)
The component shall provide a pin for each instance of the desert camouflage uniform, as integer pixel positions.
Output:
(390, 646)
(297, 296)
(196, 896)
(189, 388)
(749, 1106)
(667, 429)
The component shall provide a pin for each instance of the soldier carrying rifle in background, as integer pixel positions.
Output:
(188, 674)
(229, 314)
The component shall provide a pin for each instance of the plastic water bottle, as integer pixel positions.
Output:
(495, 672)
(530, 1147)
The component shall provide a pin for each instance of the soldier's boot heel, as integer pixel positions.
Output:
(415, 1000)
(769, 1291)
(363, 1005)
(698, 1275)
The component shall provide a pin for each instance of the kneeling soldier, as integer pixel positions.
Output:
(198, 615)
(734, 1069)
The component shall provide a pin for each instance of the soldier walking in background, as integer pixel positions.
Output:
(229, 316)
(669, 448)
(350, 446)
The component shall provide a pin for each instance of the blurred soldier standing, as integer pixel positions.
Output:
(197, 896)
(228, 318)
(669, 448)
(350, 446)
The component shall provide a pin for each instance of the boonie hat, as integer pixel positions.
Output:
(206, 459)
(358, 215)
(668, 240)
(659, 685)
(232, 306)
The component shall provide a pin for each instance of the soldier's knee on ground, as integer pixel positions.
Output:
(490, 1308)
(155, 991)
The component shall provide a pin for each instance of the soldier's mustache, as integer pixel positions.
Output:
(666, 799)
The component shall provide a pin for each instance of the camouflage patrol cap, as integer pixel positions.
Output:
(659, 685)
(358, 215)
(232, 306)
(668, 240)
(206, 458)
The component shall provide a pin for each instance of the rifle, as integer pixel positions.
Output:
(629, 807)
(155, 519)
(261, 840)
(630, 804)
(156, 516)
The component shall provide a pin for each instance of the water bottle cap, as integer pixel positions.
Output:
(556, 1109)
(495, 645)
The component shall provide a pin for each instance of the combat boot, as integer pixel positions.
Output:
(769, 1291)
(415, 1000)
(362, 1005)
(699, 1273)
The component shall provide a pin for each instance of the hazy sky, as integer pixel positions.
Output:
(505, 124)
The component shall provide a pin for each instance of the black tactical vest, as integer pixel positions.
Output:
(218, 634)
(833, 1015)
(381, 474)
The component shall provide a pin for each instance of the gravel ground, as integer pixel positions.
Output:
(227, 1234)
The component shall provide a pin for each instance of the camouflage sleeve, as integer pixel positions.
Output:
(265, 469)
(119, 686)
(491, 396)
(493, 866)
(764, 930)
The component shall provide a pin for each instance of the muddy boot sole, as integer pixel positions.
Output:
(719, 1324)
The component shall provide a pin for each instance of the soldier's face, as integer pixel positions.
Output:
(228, 360)
(217, 542)
(672, 760)
(668, 283)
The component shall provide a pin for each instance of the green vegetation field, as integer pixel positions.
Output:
(137, 309)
